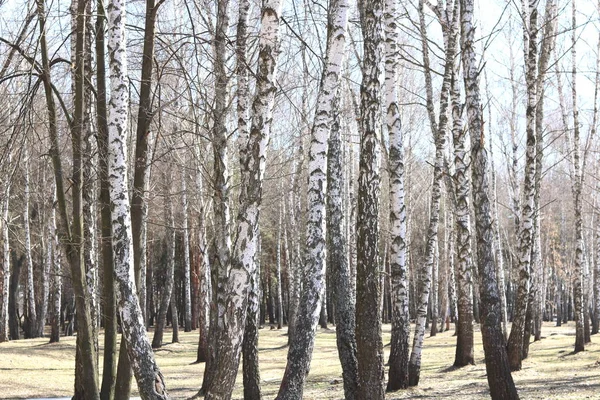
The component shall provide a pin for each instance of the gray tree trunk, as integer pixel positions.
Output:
(337, 262)
(368, 315)
(496, 360)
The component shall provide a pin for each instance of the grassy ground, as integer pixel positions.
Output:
(34, 368)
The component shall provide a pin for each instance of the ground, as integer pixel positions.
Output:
(33, 368)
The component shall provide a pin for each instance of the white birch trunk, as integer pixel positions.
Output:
(243, 265)
(278, 263)
(438, 129)
(149, 378)
(31, 330)
(302, 343)
(186, 256)
(578, 273)
(57, 276)
(399, 351)
(4, 329)
(497, 367)
(526, 228)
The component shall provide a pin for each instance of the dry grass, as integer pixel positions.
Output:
(33, 368)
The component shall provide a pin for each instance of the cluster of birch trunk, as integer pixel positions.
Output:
(227, 166)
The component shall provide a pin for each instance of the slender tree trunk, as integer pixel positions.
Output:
(57, 277)
(302, 343)
(368, 315)
(140, 181)
(165, 300)
(596, 255)
(42, 311)
(464, 326)
(4, 307)
(174, 317)
(13, 295)
(109, 315)
(71, 233)
(577, 194)
(526, 232)
(187, 285)
(337, 260)
(496, 360)
(278, 263)
(439, 136)
(205, 290)
(251, 371)
(141, 358)
(221, 195)
(31, 320)
(399, 347)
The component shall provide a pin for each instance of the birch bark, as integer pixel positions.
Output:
(186, 256)
(337, 262)
(149, 378)
(498, 372)
(232, 316)
(526, 233)
(438, 129)
(399, 350)
(302, 343)
(578, 281)
(31, 320)
(368, 315)
(4, 328)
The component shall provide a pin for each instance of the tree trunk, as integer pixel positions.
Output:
(278, 263)
(526, 232)
(165, 300)
(313, 293)
(187, 285)
(205, 290)
(439, 136)
(337, 262)
(149, 378)
(399, 347)
(221, 195)
(368, 315)
(498, 372)
(71, 233)
(464, 326)
(174, 317)
(57, 278)
(5, 333)
(109, 315)
(30, 327)
(251, 371)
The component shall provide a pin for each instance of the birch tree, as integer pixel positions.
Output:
(368, 313)
(4, 328)
(399, 351)
(71, 232)
(141, 358)
(438, 129)
(31, 321)
(302, 343)
(337, 260)
(577, 174)
(496, 360)
(232, 317)
(534, 80)
(221, 193)
(464, 327)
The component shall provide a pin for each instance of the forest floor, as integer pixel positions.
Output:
(33, 368)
